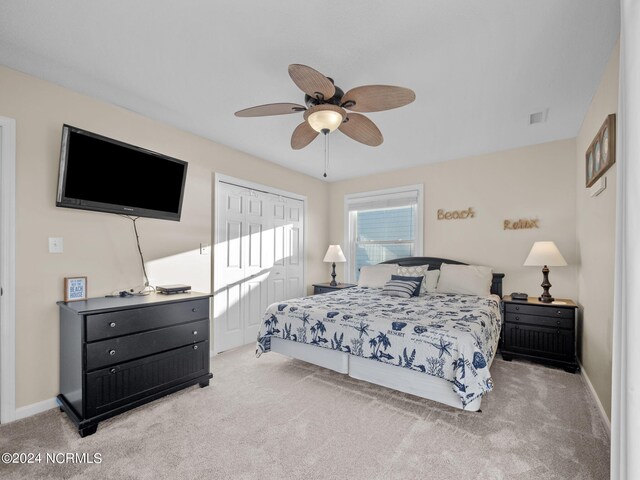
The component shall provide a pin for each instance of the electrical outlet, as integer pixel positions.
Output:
(56, 245)
(205, 249)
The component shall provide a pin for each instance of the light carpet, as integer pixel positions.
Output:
(279, 418)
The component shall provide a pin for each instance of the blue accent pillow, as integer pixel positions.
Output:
(410, 279)
(400, 288)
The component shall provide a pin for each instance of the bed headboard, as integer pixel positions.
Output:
(434, 264)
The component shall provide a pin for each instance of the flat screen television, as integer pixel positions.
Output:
(105, 175)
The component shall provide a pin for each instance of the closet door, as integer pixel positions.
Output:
(278, 235)
(257, 265)
(259, 260)
(294, 261)
(229, 267)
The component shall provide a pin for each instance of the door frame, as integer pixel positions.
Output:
(220, 177)
(8, 270)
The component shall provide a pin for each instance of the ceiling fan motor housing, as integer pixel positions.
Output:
(335, 100)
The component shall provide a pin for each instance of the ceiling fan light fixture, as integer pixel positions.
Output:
(325, 117)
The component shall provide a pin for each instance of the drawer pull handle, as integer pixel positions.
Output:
(195, 347)
(558, 322)
(113, 370)
(112, 324)
(517, 327)
(517, 308)
(195, 332)
(517, 317)
(112, 352)
(559, 312)
(194, 309)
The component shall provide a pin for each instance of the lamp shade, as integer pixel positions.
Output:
(334, 255)
(545, 253)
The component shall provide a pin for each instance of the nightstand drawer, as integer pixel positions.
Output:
(318, 290)
(550, 311)
(553, 343)
(557, 322)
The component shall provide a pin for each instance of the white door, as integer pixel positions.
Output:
(7, 269)
(259, 260)
(257, 265)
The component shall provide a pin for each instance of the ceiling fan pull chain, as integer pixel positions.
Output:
(325, 131)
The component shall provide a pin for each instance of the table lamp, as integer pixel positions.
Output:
(334, 255)
(545, 254)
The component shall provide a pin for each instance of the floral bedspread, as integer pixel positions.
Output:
(453, 337)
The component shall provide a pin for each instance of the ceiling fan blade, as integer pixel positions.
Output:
(361, 129)
(270, 109)
(302, 136)
(311, 82)
(375, 98)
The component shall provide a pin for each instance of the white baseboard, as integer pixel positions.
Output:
(28, 410)
(603, 414)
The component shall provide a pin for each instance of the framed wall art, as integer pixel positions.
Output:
(75, 289)
(601, 154)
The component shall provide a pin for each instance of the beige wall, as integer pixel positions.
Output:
(102, 246)
(531, 182)
(596, 218)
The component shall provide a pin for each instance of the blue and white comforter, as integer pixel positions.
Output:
(453, 337)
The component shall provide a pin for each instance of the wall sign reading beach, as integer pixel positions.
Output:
(456, 214)
(601, 154)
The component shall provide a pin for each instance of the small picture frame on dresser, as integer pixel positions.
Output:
(75, 289)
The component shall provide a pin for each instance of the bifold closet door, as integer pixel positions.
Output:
(259, 260)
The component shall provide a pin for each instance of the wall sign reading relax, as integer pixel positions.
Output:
(522, 223)
(456, 214)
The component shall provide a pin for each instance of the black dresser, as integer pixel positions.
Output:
(119, 353)
(542, 332)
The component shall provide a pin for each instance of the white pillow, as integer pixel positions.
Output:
(430, 282)
(376, 276)
(417, 271)
(465, 279)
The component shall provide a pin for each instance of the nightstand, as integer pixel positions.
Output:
(542, 332)
(326, 288)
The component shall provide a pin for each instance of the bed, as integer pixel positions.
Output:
(439, 346)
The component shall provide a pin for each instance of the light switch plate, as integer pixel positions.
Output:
(56, 245)
(205, 249)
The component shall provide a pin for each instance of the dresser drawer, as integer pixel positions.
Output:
(557, 322)
(113, 387)
(121, 349)
(113, 324)
(551, 311)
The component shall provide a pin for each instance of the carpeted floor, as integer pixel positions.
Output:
(278, 418)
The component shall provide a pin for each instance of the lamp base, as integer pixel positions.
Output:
(333, 282)
(546, 296)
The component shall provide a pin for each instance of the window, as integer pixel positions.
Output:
(382, 225)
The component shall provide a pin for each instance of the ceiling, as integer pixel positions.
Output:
(478, 68)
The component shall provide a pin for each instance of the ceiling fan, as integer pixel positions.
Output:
(327, 105)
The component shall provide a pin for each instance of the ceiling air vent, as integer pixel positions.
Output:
(538, 117)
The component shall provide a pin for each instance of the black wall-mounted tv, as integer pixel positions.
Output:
(105, 175)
